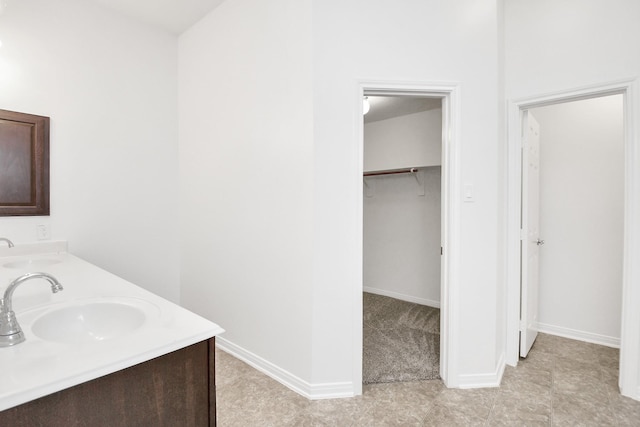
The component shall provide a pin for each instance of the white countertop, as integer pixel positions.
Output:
(39, 367)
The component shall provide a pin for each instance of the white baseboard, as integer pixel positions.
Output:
(579, 335)
(403, 297)
(492, 379)
(308, 390)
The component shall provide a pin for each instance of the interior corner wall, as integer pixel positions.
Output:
(109, 85)
(581, 218)
(246, 171)
(502, 294)
(429, 42)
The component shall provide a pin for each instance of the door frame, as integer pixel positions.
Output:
(630, 316)
(450, 217)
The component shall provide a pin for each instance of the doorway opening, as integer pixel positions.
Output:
(568, 198)
(448, 96)
(402, 238)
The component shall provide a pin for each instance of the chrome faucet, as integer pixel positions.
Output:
(9, 242)
(10, 331)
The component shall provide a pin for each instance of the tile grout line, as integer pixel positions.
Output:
(493, 407)
(554, 367)
(423, 422)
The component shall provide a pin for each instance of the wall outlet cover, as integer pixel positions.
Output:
(43, 232)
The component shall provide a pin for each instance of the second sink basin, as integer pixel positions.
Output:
(89, 322)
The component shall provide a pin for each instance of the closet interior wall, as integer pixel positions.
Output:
(402, 211)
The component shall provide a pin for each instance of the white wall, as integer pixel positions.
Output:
(246, 169)
(411, 41)
(581, 218)
(502, 294)
(109, 85)
(401, 253)
(554, 46)
(411, 140)
(271, 244)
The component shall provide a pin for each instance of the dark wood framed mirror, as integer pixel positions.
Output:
(24, 164)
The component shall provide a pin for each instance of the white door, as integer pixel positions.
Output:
(530, 242)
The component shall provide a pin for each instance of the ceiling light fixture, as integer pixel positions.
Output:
(365, 105)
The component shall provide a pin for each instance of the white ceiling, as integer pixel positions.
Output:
(172, 15)
(386, 107)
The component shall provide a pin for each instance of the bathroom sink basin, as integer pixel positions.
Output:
(32, 264)
(89, 322)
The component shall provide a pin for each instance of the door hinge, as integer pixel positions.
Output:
(441, 251)
(523, 234)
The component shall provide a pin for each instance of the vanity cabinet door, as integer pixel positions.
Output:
(177, 389)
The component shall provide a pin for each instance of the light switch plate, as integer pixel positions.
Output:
(468, 195)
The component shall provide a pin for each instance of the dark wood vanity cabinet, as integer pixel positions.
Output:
(177, 389)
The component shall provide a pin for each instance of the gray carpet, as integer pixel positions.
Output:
(401, 341)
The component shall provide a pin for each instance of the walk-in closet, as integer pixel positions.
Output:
(401, 238)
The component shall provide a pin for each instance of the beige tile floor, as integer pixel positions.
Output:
(562, 383)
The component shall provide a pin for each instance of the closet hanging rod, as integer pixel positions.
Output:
(391, 172)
